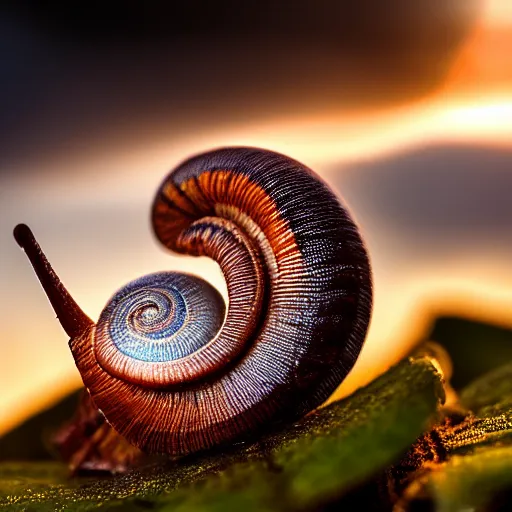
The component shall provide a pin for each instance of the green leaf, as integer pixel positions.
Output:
(491, 389)
(464, 463)
(474, 347)
(489, 398)
(312, 462)
(478, 481)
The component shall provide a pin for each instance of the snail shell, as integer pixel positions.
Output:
(168, 365)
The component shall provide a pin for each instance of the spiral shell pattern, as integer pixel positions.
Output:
(175, 373)
(158, 318)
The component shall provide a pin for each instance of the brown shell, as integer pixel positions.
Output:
(300, 295)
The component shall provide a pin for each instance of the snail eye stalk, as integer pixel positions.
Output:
(73, 320)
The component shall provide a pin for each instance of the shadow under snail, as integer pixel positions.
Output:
(174, 372)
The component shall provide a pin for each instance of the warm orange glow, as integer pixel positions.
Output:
(497, 13)
(484, 63)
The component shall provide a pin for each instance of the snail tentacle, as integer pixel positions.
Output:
(73, 320)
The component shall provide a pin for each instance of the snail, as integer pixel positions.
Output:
(175, 371)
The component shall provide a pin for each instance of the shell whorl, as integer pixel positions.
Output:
(300, 294)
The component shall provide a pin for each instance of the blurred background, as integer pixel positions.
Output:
(405, 108)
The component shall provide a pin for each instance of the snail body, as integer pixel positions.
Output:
(169, 366)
